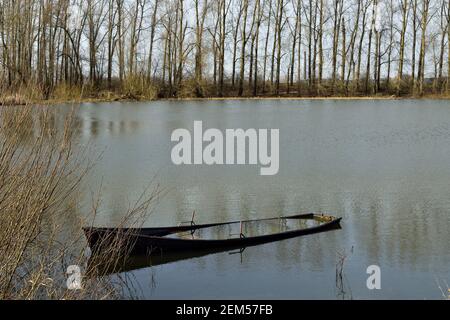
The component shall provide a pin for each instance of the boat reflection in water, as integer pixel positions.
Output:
(139, 261)
(147, 247)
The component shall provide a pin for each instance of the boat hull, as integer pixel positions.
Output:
(162, 244)
(147, 244)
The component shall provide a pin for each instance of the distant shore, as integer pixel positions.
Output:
(237, 98)
(17, 101)
(392, 97)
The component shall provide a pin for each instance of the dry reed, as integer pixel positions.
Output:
(41, 170)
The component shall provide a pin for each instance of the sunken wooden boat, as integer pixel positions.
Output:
(234, 234)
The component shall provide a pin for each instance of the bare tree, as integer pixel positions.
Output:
(244, 39)
(152, 39)
(405, 15)
(423, 25)
(199, 27)
(178, 46)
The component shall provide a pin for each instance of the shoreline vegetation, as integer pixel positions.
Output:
(42, 169)
(112, 50)
(13, 101)
(77, 95)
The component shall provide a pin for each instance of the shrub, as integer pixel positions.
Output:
(41, 171)
(137, 88)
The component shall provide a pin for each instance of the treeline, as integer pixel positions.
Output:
(203, 48)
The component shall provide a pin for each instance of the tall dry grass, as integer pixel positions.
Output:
(41, 171)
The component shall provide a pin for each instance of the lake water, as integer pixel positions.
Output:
(381, 165)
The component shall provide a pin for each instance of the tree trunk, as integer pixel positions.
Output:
(243, 43)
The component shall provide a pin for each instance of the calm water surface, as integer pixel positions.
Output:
(384, 166)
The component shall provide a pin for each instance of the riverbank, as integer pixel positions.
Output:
(110, 97)
(386, 97)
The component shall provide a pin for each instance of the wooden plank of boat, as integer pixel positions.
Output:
(146, 240)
